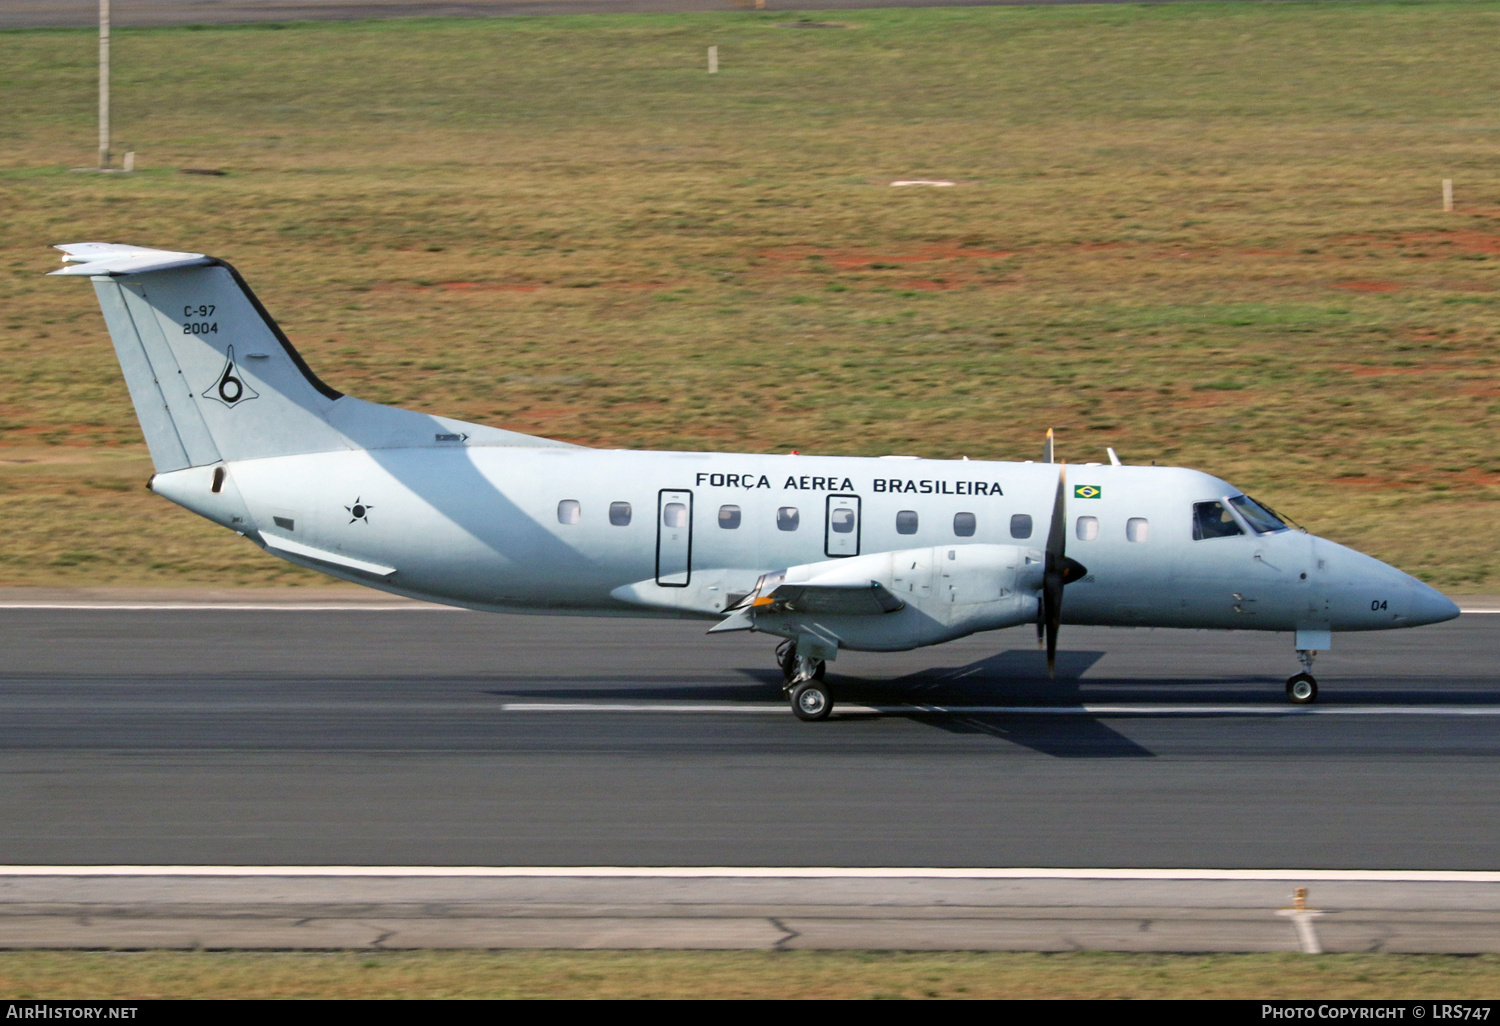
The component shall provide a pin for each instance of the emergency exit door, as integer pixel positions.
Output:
(841, 535)
(674, 538)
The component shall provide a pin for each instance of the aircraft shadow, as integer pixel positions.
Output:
(1013, 677)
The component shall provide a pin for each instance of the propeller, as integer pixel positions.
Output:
(1058, 570)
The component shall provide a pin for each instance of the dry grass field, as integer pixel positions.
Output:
(1207, 234)
(738, 974)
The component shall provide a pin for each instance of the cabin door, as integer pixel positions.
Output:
(841, 535)
(674, 538)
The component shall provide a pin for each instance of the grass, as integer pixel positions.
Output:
(1206, 234)
(738, 974)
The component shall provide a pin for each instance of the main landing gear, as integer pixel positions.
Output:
(1302, 688)
(803, 683)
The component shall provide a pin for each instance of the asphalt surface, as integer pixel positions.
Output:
(140, 13)
(393, 736)
(553, 910)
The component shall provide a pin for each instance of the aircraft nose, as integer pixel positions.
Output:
(1428, 605)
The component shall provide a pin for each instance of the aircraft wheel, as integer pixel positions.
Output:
(811, 700)
(1302, 689)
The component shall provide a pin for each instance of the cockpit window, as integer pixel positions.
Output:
(1213, 520)
(1260, 519)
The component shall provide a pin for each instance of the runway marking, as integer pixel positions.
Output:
(275, 607)
(1142, 709)
(768, 872)
(313, 607)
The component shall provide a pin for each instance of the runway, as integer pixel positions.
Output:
(300, 736)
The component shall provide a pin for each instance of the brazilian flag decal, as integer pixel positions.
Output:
(1087, 492)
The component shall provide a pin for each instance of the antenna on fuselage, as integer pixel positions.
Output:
(1114, 461)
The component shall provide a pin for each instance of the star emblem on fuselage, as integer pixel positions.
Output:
(359, 511)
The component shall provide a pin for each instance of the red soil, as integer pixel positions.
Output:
(849, 260)
(1367, 286)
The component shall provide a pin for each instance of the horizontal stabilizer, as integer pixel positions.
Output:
(91, 258)
(870, 599)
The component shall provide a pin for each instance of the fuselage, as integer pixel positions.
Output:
(685, 534)
(871, 554)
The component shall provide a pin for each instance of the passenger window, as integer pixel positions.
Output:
(568, 511)
(1020, 525)
(674, 514)
(1087, 528)
(729, 517)
(906, 522)
(1137, 529)
(787, 518)
(842, 521)
(964, 524)
(1213, 520)
(619, 513)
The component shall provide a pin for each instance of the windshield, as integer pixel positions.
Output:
(1260, 519)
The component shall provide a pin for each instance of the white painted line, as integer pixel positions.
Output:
(315, 606)
(767, 872)
(758, 708)
(1142, 709)
(274, 607)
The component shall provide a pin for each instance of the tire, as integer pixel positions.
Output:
(811, 701)
(1302, 689)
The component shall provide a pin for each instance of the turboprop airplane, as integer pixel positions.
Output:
(826, 553)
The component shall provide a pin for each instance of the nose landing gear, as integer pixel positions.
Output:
(1302, 688)
(803, 677)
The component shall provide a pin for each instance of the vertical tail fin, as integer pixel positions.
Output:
(211, 375)
(214, 378)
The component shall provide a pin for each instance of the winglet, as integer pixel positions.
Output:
(1047, 448)
(91, 258)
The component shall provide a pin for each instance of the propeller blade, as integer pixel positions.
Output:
(1057, 533)
(1052, 599)
(1053, 570)
(1058, 571)
(1047, 448)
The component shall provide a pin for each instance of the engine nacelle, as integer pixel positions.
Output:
(945, 592)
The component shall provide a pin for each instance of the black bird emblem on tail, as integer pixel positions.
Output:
(231, 388)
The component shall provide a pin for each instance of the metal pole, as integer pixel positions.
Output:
(103, 84)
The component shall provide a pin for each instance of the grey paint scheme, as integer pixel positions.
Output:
(468, 515)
